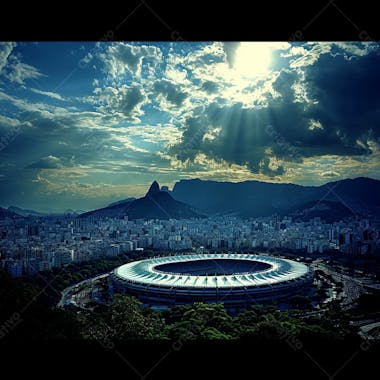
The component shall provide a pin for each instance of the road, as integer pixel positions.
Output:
(352, 287)
(69, 290)
(370, 331)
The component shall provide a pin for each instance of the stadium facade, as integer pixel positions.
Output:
(236, 280)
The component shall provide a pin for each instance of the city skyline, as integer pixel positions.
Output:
(85, 124)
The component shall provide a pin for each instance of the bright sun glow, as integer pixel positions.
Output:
(253, 58)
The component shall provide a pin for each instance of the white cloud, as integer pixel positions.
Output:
(12, 68)
(41, 180)
(315, 124)
(5, 51)
(18, 72)
(358, 49)
(176, 75)
(154, 134)
(7, 122)
(330, 174)
(49, 162)
(122, 58)
(53, 95)
(308, 54)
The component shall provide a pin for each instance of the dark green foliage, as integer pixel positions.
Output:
(24, 316)
(200, 321)
(126, 319)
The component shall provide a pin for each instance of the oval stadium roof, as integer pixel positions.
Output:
(144, 272)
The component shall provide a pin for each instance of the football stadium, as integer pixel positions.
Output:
(236, 280)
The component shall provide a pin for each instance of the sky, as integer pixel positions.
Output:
(85, 124)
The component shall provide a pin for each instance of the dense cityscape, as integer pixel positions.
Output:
(41, 243)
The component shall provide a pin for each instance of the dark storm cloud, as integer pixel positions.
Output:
(47, 135)
(241, 139)
(348, 96)
(169, 91)
(131, 101)
(192, 139)
(283, 84)
(343, 113)
(210, 87)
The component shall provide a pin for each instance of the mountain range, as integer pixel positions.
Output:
(359, 196)
(26, 212)
(198, 198)
(4, 213)
(156, 204)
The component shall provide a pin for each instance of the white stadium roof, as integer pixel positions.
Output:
(144, 272)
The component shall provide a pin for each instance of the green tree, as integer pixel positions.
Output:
(129, 322)
(202, 321)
